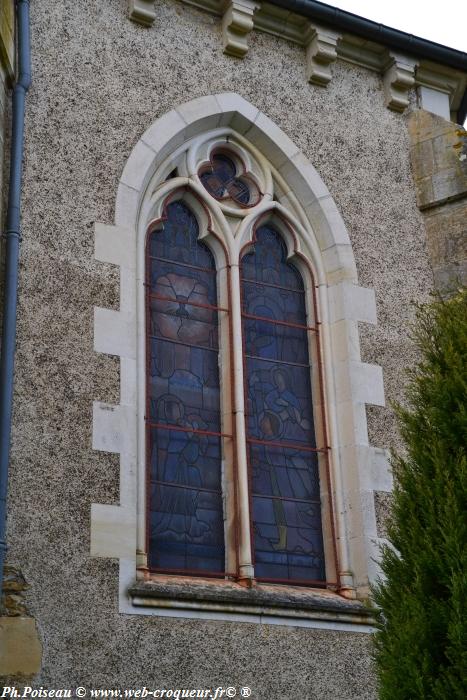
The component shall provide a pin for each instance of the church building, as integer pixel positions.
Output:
(217, 216)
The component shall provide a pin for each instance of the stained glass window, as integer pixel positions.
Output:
(283, 457)
(222, 181)
(186, 527)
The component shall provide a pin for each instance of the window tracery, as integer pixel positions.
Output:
(282, 449)
(222, 179)
(277, 532)
(165, 167)
(185, 523)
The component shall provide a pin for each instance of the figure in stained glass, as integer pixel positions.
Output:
(186, 529)
(286, 515)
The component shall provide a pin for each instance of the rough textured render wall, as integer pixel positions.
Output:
(99, 82)
(439, 162)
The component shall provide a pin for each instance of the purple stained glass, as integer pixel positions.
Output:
(284, 475)
(186, 529)
(222, 181)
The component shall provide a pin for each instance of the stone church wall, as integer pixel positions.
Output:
(98, 82)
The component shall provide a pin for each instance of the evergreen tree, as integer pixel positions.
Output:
(421, 644)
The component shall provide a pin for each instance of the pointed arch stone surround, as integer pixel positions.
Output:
(357, 468)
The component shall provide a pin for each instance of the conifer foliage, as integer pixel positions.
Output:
(421, 644)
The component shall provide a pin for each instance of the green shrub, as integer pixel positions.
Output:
(421, 645)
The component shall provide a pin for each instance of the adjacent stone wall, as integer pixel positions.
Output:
(99, 82)
(439, 162)
(6, 74)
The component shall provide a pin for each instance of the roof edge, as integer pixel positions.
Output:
(374, 31)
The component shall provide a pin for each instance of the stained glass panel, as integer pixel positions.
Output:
(186, 527)
(222, 181)
(286, 517)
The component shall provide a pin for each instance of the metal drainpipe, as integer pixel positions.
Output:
(13, 237)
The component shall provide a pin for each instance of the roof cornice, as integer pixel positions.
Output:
(393, 38)
(327, 33)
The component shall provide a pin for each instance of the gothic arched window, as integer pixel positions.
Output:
(241, 427)
(183, 423)
(282, 451)
(233, 461)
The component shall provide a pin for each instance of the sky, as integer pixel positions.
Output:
(444, 22)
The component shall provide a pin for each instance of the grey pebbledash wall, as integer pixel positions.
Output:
(99, 82)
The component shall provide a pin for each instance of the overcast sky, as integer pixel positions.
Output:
(444, 22)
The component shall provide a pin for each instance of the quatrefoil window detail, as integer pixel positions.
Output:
(223, 181)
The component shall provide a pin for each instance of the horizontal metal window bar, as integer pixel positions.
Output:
(275, 286)
(279, 362)
(181, 264)
(171, 484)
(180, 342)
(164, 426)
(286, 498)
(278, 323)
(286, 445)
(161, 297)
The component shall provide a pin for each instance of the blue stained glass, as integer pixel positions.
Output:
(279, 403)
(268, 261)
(185, 397)
(286, 472)
(276, 342)
(184, 464)
(186, 525)
(186, 459)
(287, 534)
(271, 302)
(286, 515)
(178, 239)
(221, 181)
(182, 283)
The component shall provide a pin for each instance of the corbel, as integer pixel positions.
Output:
(237, 23)
(321, 52)
(398, 78)
(142, 12)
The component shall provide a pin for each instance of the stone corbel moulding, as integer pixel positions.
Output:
(399, 72)
(237, 23)
(399, 78)
(358, 468)
(321, 53)
(142, 12)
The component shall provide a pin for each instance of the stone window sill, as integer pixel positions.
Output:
(263, 603)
